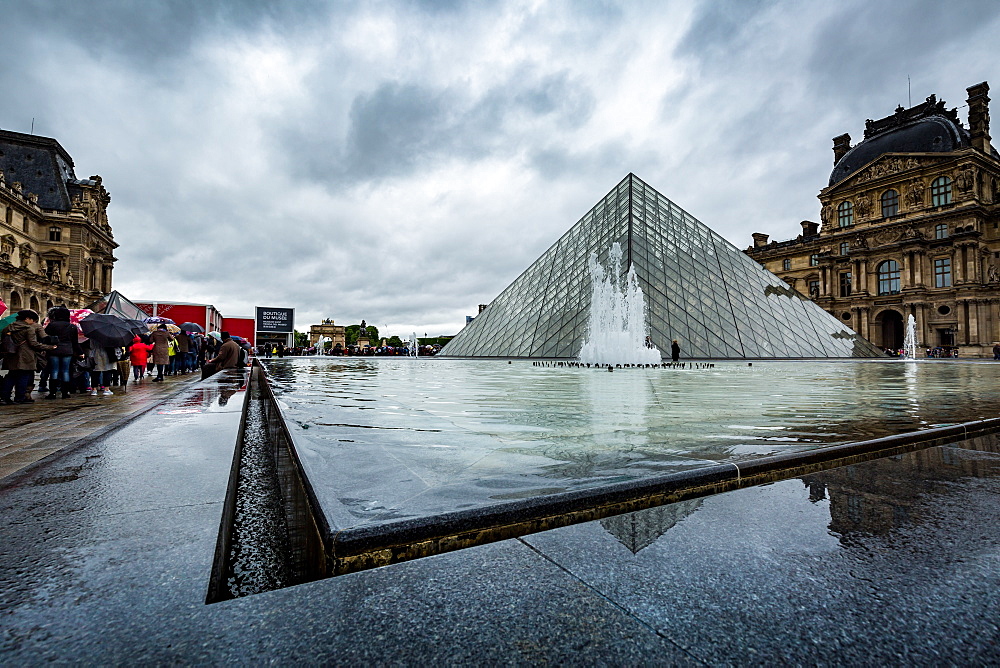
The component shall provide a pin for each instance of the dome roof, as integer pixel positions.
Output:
(925, 128)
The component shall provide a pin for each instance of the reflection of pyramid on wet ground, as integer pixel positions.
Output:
(640, 529)
(699, 288)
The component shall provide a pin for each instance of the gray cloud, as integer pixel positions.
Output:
(402, 162)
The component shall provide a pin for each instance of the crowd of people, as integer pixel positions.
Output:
(339, 350)
(67, 363)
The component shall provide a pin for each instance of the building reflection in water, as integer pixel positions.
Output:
(872, 498)
(879, 496)
(640, 529)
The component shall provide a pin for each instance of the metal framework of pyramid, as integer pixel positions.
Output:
(117, 304)
(700, 289)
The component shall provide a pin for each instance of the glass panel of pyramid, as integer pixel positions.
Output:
(700, 289)
(117, 304)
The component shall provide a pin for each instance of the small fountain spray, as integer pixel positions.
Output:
(910, 340)
(414, 346)
(616, 332)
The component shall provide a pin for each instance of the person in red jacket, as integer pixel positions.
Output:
(138, 356)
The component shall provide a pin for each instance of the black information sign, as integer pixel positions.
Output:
(279, 320)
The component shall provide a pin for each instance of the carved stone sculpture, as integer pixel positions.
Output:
(915, 193)
(864, 206)
(964, 180)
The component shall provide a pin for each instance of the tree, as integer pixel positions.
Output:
(395, 342)
(351, 333)
(301, 339)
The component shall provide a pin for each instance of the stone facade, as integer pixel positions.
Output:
(910, 225)
(56, 246)
(326, 328)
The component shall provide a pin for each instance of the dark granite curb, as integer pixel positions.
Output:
(368, 547)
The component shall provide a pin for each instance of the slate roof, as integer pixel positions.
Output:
(924, 128)
(41, 165)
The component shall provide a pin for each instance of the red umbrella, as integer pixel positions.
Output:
(3, 306)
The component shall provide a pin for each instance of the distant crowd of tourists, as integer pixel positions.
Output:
(70, 364)
(340, 350)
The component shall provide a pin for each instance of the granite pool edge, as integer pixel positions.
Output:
(360, 548)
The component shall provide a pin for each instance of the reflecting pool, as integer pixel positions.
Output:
(388, 438)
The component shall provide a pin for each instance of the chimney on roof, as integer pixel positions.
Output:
(841, 145)
(979, 116)
(759, 239)
(809, 228)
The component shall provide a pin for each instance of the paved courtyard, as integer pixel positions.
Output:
(107, 549)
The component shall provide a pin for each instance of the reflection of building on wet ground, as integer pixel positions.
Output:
(909, 226)
(861, 501)
(641, 529)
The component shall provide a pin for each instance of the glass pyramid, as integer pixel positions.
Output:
(700, 289)
(117, 304)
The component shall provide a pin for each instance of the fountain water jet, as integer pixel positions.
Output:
(616, 331)
(910, 340)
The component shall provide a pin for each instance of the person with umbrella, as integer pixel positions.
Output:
(102, 362)
(68, 347)
(191, 330)
(183, 348)
(26, 334)
(161, 339)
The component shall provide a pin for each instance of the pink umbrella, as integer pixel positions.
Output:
(3, 307)
(75, 316)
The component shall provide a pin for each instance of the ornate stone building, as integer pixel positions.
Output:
(910, 226)
(56, 245)
(336, 333)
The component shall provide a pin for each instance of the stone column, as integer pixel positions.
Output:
(963, 320)
(921, 321)
(994, 320)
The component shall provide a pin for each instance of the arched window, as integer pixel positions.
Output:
(890, 203)
(15, 301)
(48, 305)
(941, 191)
(34, 304)
(845, 214)
(888, 277)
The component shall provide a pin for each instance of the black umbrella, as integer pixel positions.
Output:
(192, 327)
(107, 330)
(138, 327)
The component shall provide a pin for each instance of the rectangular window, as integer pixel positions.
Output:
(941, 231)
(55, 234)
(845, 284)
(786, 264)
(814, 289)
(845, 248)
(814, 260)
(942, 272)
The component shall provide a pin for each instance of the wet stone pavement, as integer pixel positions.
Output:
(31, 432)
(106, 552)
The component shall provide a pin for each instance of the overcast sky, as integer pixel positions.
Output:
(403, 162)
